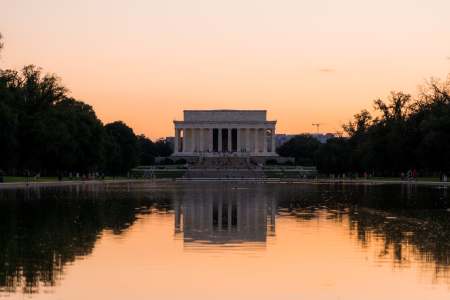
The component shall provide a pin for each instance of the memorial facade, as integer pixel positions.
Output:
(245, 133)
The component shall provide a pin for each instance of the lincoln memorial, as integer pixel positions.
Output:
(209, 133)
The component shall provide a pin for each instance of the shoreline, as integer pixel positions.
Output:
(34, 184)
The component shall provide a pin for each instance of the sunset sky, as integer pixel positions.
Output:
(144, 61)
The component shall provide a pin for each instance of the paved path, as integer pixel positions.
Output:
(31, 184)
(321, 181)
(383, 181)
(15, 185)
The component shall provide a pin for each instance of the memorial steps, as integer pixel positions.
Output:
(225, 168)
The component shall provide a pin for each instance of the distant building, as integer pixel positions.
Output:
(280, 139)
(218, 133)
(323, 137)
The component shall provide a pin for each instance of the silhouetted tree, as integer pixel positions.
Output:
(146, 150)
(163, 148)
(302, 148)
(333, 157)
(44, 130)
(407, 134)
(124, 148)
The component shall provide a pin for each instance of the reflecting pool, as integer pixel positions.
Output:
(225, 241)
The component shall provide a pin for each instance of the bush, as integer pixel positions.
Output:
(271, 162)
(180, 161)
(167, 161)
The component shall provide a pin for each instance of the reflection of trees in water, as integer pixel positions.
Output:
(410, 220)
(41, 230)
(424, 235)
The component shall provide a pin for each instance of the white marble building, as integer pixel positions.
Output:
(224, 132)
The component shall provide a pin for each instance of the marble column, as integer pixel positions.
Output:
(184, 140)
(264, 140)
(175, 141)
(256, 141)
(230, 211)
(187, 138)
(219, 212)
(210, 139)
(201, 140)
(247, 139)
(229, 140)
(219, 140)
(273, 141)
(238, 140)
(192, 139)
(177, 216)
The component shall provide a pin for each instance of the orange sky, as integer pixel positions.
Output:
(145, 61)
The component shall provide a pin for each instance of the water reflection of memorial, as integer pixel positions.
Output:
(225, 217)
(44, 229)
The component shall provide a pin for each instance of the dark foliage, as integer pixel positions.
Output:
(408, 134)
(302, 148)
(43, 130)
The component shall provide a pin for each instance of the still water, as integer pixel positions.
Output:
(222, 241)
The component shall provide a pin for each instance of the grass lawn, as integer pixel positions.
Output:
(398, 178)
(46, 179)
(25, 179)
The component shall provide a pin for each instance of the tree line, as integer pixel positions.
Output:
(44, 130)
(404, 133)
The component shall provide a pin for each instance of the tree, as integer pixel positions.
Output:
(42, 129)
(163, 148)
(359, 126)
(431, 119)
(302, 148)
(398, 107)
(8, 137)
(146, 150)
(123, 148)
(333, 157)
(409, 133)
(85, 135)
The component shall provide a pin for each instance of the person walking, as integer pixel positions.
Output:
(409, 174)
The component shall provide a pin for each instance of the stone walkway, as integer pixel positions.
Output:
(16, 185)
(31, 184)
